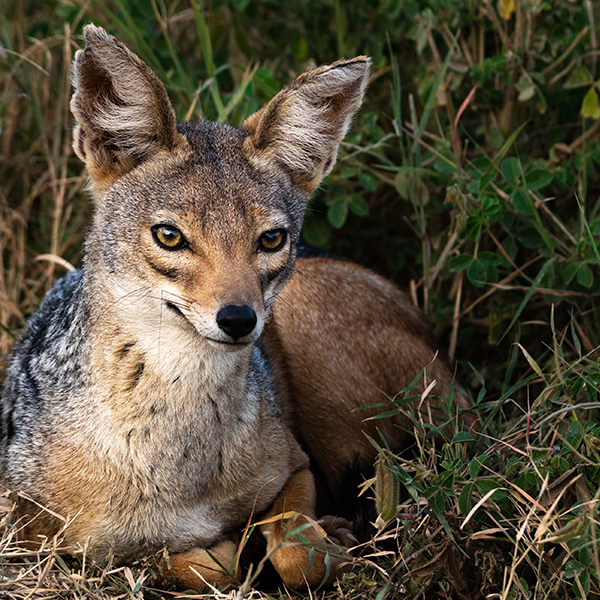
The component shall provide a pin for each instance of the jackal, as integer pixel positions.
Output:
(196, 372)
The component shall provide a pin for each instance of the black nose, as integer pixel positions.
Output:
(236, 321)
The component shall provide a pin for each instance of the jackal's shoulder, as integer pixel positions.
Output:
(55, 319)
(48, 351)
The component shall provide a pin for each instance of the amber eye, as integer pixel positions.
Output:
(273, 240)
(168, 237)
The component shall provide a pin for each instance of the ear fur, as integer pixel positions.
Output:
(301, 128)
(122, 110)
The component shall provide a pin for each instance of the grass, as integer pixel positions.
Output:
(471, 177)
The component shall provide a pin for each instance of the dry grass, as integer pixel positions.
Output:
(43, 213)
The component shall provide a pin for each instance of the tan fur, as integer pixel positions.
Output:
(165, 421)
(199, 566)
(287, 536)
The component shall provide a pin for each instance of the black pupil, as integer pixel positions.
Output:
(171, 236)
(273, 237)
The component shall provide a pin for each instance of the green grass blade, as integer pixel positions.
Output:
(528, 295)
(209, 62)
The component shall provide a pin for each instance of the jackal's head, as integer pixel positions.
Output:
(205, 217)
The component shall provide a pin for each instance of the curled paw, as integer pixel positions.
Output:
(308, 555)
(339, 531)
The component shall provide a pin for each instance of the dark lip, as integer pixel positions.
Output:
(174, 308)
(225, 343)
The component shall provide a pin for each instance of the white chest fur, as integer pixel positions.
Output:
(180, 442)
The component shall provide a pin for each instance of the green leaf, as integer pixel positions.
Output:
(526, 89)
(542, 105)
(240, 4)
(476, 465)
(579, 77)
(572, 568)
(438, 502)
(486, 180)
(477, 273)
(460, 263)
(474, 226)
(570, 271)
(493, 208)
(358, 205)
(530, 238)
(488, 484)
(446, 480)
(337, 213)
(489, 259)
(538, 178)
(511, 169)
(510, 247)
(584, 580)
(508, 143)
(590, 107)
(463, 436)
(585, 276)
(316, 231)
(369, 182)
(402, 183)
(479, 165)
(446, 166)
(527, 94)
(522, 203)
(465, 502)
(575, 428)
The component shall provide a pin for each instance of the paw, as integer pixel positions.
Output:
(200, 569)
(339, 531)
(310, 555)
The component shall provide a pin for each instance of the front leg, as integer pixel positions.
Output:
(197, 568)
(290, 524)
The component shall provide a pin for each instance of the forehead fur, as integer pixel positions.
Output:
(212, 181)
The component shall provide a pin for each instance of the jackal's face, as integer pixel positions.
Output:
(203, 219)
(211, 236)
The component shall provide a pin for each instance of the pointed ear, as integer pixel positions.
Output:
(301, 128)
(122, 110)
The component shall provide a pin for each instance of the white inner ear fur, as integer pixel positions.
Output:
(302, 127)
(311, 133)
(139, 113)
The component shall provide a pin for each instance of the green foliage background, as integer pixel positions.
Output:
(471, 177)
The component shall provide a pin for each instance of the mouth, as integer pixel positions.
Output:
(175, 309)
(228, 346)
